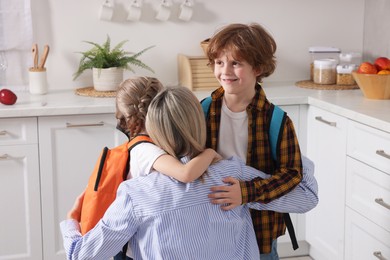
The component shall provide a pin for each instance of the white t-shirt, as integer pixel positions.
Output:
(142, 157)
(233, 133)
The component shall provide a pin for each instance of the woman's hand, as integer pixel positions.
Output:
(75, 212)
(229, 196)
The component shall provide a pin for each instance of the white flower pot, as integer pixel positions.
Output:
(107, 79)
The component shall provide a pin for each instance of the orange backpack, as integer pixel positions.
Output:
(110, 170)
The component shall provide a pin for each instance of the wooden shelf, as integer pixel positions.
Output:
(195, 74)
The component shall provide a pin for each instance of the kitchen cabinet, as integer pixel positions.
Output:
(326, 146)
(368, 193)
(69, 149)
(20, 218)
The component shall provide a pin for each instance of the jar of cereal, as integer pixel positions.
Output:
(325, 71)
(344, 74)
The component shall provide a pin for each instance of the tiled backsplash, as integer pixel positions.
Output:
(376, 41)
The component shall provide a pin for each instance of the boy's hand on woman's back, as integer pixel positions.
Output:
(228, 196)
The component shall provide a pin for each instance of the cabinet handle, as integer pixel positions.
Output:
(383, 153)
(84, 125)
(381, 202)
(319, 118)
(3, 132)
(4, 156)
(378, 255)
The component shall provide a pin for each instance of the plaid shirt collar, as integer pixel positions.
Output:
(258, 101)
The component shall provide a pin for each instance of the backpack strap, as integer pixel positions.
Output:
(278, 118)
(206, 102)
(138, 139)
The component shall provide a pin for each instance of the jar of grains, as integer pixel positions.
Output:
(344, 74)
(325, 71)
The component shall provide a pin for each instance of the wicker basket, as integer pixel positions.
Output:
(204, 44)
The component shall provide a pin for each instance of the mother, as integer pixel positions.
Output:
(167, 219)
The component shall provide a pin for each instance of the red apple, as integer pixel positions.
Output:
(367, 68)
(382, 63)
(7, 97)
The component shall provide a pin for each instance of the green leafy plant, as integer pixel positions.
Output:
(103, 57)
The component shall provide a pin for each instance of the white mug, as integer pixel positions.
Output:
(38, 81)
(163, 13)
(185, 12)
(134, 13)
(106, 11)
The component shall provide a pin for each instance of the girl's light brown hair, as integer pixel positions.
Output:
(250, 43)
(176, 123)
(133, 98)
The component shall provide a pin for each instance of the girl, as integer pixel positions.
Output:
(132, 102)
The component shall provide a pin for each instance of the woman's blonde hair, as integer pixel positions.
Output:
(176, 123)
(132, 102)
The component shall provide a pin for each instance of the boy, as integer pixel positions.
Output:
(241, 56)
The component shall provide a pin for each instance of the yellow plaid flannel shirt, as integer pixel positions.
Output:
(287, 173)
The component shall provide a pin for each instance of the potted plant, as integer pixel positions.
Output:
(108, 64)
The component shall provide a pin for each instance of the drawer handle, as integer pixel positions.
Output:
(3, 132)
(84, 125)
(383, 153)
(319, 118)
(378, 255)
(381, 202)
(4, 157)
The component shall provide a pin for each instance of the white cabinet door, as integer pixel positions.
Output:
(326, 146)
(20, 218)
(366, 240)
(69, 149)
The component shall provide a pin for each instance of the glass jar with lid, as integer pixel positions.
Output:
(325, 71)
(344, 74)
(322, 52)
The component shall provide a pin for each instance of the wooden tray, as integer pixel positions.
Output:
(312, 85)
(91, 92)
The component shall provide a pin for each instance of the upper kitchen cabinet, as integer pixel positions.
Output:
(69, 149)
(20, 218)
(327, 138)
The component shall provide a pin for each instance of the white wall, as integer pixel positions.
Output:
(295, 25)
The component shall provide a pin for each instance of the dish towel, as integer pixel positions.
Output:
(15, 42)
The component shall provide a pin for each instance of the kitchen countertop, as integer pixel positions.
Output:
(348, 103)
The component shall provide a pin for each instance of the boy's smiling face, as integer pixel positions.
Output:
(235, 76)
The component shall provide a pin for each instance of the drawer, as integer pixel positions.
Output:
(15, 131)
(368, 192)
(364, 239)
(369, 145)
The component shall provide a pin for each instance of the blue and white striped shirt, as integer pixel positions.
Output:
(167, 219)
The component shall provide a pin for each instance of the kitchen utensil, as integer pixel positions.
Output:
(44, 57)
(34, 51)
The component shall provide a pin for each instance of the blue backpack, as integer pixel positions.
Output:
(277, 118)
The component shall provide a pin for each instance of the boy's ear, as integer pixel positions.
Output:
(257, 71)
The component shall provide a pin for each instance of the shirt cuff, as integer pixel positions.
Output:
(70, 225)
(248, 191)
